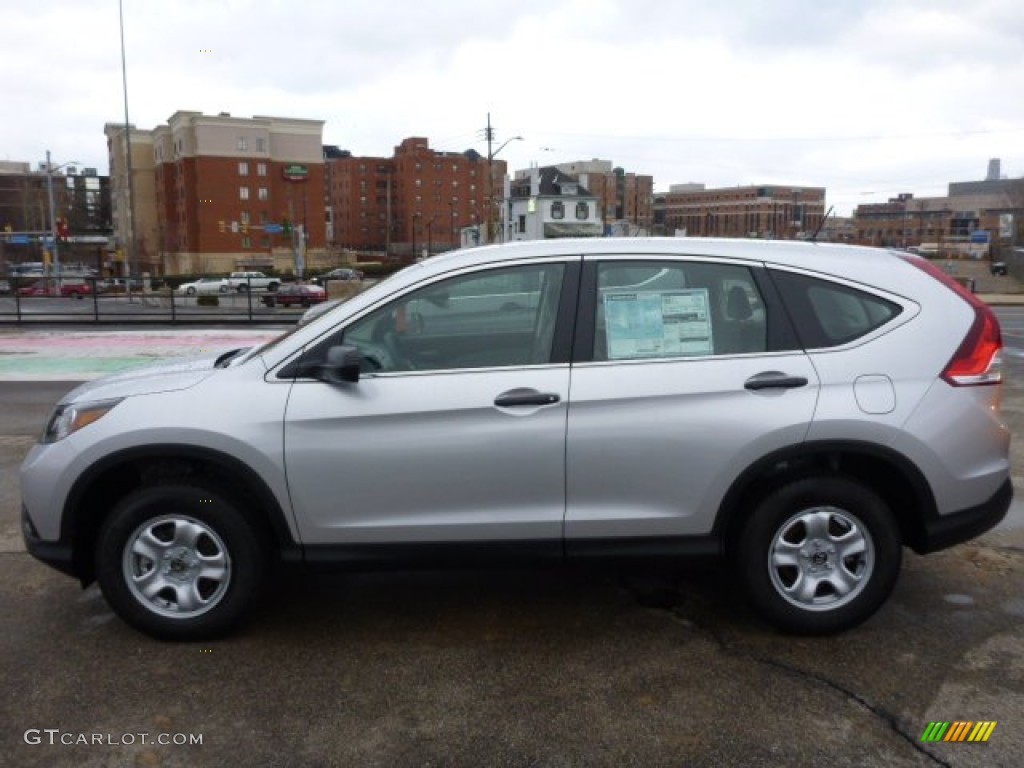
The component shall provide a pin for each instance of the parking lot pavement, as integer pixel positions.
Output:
(561, 667)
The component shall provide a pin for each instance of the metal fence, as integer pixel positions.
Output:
(77, 300)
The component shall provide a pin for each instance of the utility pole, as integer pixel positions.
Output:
(491, 154)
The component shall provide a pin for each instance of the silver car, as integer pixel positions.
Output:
(803, 411)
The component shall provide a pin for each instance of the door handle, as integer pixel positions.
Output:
(774, 380)
(517, 397)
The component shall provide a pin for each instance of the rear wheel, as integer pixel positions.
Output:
(191, 291)
(819, 555)
(179, 562)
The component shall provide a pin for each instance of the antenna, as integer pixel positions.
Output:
(814, 237)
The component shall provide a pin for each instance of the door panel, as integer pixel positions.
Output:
(653, 447)
(681, 382)
(456, 429)
(427, 457)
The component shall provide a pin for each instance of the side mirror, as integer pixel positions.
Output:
(341, 366)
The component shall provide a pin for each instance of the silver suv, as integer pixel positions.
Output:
(802, 410)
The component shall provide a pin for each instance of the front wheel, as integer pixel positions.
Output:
(819, 555)
(179, 562)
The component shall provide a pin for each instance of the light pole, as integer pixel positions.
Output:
(53, 208)
(491, 154)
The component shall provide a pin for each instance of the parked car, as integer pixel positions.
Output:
(783, 406)
(74, 288)
(342, 273)
(256, 281)
(119, 284)
(5, 287)
(204, 286)
(998, 268)
(292, 294)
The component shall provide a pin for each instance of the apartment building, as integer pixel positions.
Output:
(418, 200)
(783, 212)
(233, 193)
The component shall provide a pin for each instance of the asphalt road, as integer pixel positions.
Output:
(558, 667)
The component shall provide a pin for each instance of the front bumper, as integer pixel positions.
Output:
(942, 532)
(56, 554)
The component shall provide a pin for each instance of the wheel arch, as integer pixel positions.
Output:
(888, 473)
(95, 493)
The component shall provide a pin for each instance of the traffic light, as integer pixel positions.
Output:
(286, 226)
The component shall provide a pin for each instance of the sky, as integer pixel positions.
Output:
(867, 98)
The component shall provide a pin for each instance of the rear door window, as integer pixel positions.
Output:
(664, 309)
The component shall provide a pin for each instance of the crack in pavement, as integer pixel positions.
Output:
(656, 601)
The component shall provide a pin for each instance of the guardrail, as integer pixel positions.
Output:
(76, 300)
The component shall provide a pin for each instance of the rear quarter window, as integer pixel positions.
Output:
(828, 314)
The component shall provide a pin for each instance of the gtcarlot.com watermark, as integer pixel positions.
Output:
(57, 737)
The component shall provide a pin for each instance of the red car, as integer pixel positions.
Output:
(75, 289)
(291, 294)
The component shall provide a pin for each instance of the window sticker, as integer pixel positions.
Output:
(640, 324)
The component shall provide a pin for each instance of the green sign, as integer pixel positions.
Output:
(296, 171)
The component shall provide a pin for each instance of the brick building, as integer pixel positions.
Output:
(418, 199)
(973, 220)
(765, 211)
(231, 192)
(82, 206)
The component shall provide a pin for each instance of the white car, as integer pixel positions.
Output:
(204, 286)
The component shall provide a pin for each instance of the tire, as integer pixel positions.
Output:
(223, 289)
(790, 555)
(270, 301)
(191, 291)
(243, 288)
(149, 555)
(75, 295)
(272, 287)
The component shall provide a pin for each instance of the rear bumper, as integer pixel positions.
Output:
(948, 530)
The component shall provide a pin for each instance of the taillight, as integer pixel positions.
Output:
(977, 360)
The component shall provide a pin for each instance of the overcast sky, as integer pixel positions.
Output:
(867, 98)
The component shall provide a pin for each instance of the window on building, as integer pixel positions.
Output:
(582, 211)
(242, 144)
(243, 193)
(261, 145)
(246, 242)
(265, 241)
(264, 217)
(244, 217)
(557, 210)
(261, 169)
(522, 223)
(243, 168)
(263, 193)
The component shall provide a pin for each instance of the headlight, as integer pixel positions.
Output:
(68, 419)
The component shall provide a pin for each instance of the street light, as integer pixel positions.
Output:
(53, 208)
